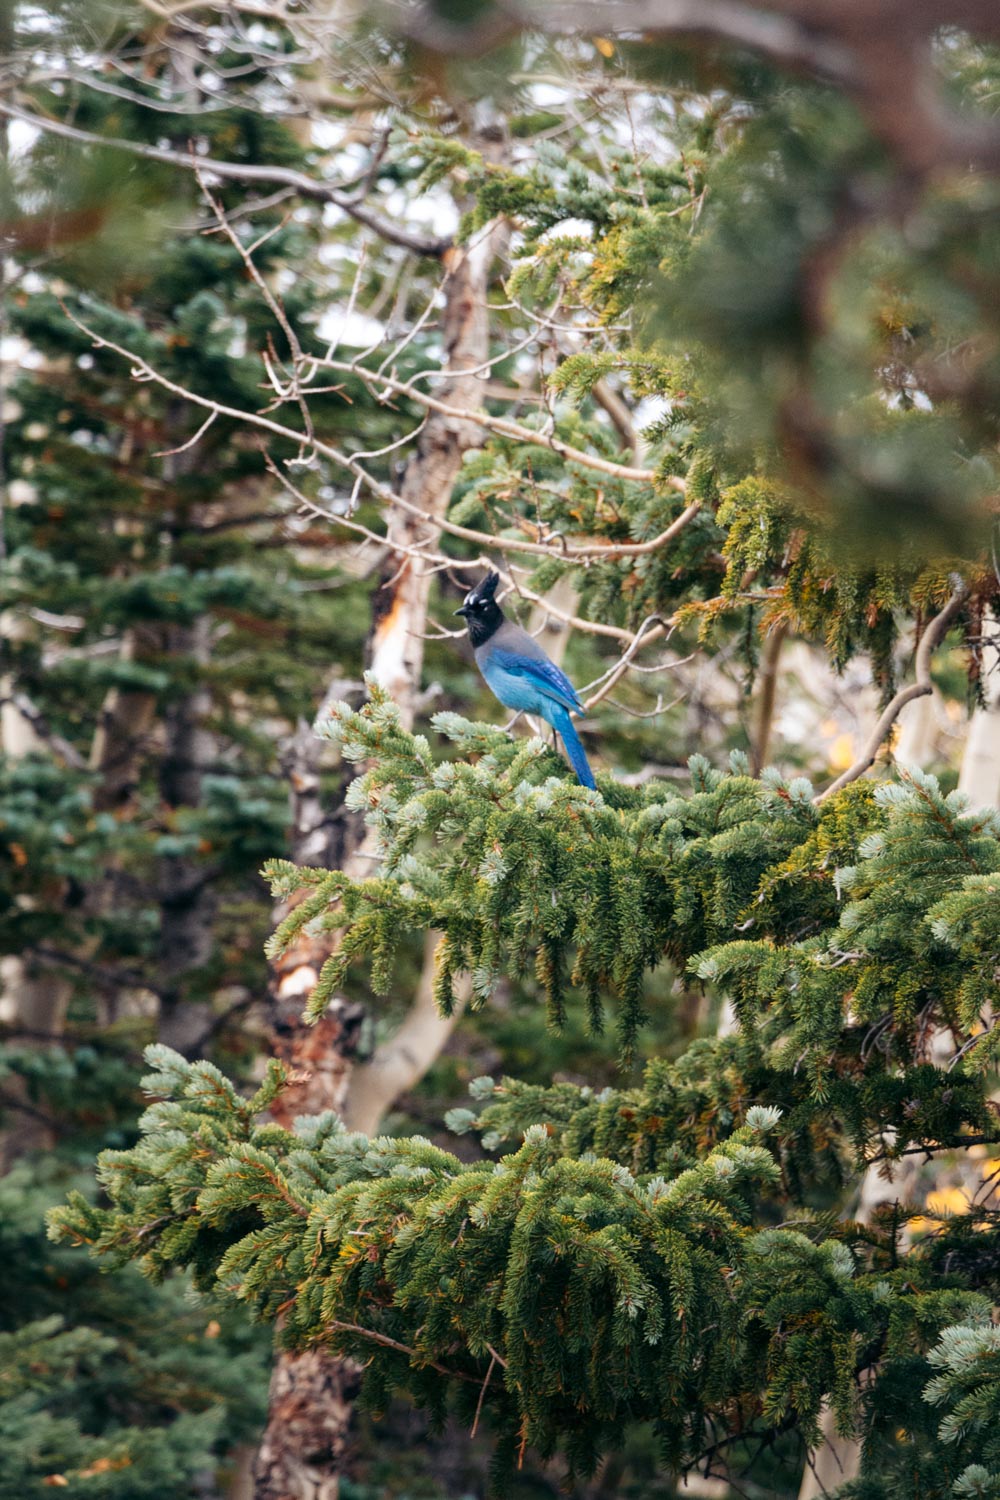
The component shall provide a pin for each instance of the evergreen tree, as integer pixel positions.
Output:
(160, 638)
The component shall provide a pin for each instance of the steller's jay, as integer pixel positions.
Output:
(518, 672)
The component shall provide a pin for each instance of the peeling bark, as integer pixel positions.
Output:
(310, 1404)
(311, 1393)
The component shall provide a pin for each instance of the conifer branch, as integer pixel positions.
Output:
(932, 637)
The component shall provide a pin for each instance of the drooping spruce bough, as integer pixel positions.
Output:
(651, 1253)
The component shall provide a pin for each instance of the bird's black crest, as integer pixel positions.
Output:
(484, 589)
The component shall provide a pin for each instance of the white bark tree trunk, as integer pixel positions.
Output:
(311, 1393)
(979, 777)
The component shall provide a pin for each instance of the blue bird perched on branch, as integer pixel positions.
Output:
(519, 673)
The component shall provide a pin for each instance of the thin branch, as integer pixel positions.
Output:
(928, 1149)
(277, 311)
(390, 230)
(412, 1354)
(143, 370)
(932, 637)
(482, 1396)
(502, 426)
(972, 1042)
(191, 441)
(437, 561)
(593, 627)
(650, 713)
(643, 636)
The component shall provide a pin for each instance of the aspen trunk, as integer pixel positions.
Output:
(402, 1061)
(301, 1454)
(979, 777)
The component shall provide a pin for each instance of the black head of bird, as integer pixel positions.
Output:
(480, 610)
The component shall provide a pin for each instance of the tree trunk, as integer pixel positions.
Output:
(185, 888)
(33, 1000)
(397, 645)
(402, 1061)
(301, 1454)
(766, 697)
(120, 741)
(979, 777)
(309, 1417)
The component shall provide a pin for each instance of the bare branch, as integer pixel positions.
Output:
(390, 230)
(277, 310)
(145, 371)
(651, 629)
(191, 443)
(413, 1354)
(502, 426)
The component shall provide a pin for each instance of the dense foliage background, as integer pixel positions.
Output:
(691, 330)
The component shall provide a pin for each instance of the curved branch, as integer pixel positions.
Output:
(929, 642)
(391, 230)
(145, 371)
(879, 52)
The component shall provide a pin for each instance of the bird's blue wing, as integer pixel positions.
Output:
(549, 679)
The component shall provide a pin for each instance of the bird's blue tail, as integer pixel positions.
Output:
(575, 751)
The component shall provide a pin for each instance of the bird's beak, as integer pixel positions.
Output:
(462, 611)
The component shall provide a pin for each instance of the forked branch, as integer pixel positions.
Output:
(931, 639)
